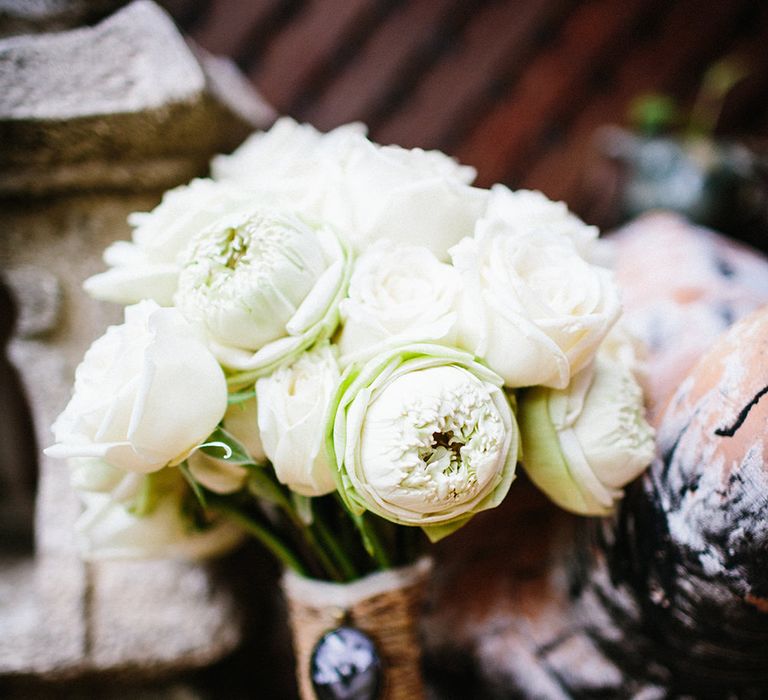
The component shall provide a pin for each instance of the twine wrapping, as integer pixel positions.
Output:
(384, 605)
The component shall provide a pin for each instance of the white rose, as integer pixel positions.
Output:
(219, 475)
(532, 307)
(137, 516)
(265, 285)
(146, 394)
(366, 191)
(293, 408)
(527, 211)
(581, 445)
(411, 197)
(148, 266)
(423, 435)
(397, 295)
(291, 161)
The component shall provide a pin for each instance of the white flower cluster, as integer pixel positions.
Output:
(369, 314)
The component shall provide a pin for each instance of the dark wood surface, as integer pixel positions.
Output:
(514, 88)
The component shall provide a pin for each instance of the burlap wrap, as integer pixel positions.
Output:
(384, 605)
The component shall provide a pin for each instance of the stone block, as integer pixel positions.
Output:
(95, 122)
(123, 104)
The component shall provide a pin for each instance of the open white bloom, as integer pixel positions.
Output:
(528, 211)
(293, 409)
(265, 285)
(148, 266)
(423, 435)
(584, 443)
(146, 394)
(411, 197)
(293, 162)
(365, 191)
(137, 516)
(533, 308)
(397, 295)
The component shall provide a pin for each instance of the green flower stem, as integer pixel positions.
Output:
(380, 553)
(317, 549)
(373, 542)
(370, 538)
(273, 543)
(308, 535)
(345, 563)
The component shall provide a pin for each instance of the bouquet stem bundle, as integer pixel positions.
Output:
(384, 605)
(324, 541)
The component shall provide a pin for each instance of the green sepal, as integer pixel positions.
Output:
(147, 498)
(234, 452)
(544, 462)
(435, 533)
(241, 396)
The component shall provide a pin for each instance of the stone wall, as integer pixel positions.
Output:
(95, 122)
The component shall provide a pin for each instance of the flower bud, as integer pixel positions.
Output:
(582, 444)
(293, 409)
(423, 435)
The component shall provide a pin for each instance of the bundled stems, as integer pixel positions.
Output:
(340, 549)
(320, 553)
(267, 538)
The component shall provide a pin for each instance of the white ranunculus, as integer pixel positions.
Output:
(581, 445)
(423, 435)
(222, 476)
(411, 197)
(527, 211)
(265, 285)
(531, 306)
(141, 516)
(146, 394)
(148, 266)
(293, 406)
(397, 295)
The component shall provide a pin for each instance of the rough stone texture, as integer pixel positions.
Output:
(37, 16)
(127, 108)
(59, 615)
(123, 104)
(682, 286)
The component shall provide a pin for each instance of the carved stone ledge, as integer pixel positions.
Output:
(125, 104)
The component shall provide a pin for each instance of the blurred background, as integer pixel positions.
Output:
(516, 88)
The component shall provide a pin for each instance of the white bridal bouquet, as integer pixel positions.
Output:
(335, 346)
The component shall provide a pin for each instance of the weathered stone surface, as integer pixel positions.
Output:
(682, 286)
(128, 109)
(122, 104)
(58, 614)
(38, 295)
(37, 16)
